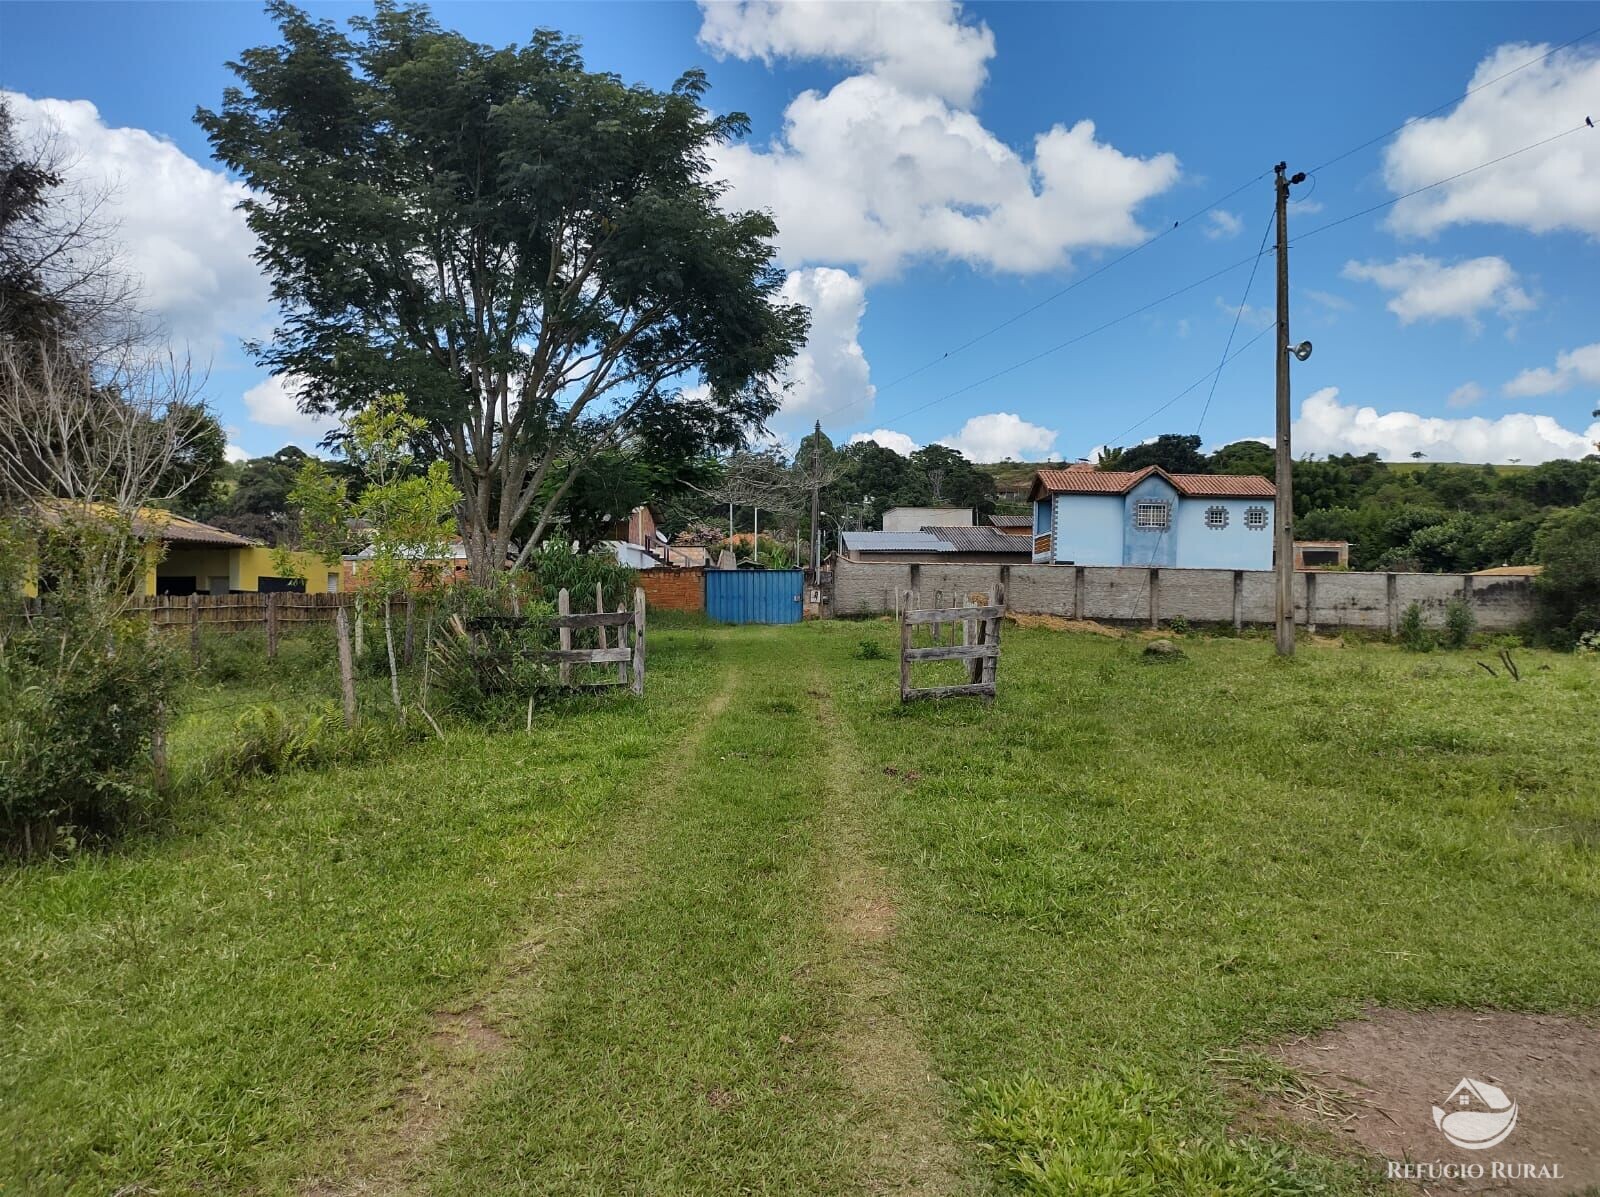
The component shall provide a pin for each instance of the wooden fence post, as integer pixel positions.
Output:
(599, 608)
(622, 642)
(638, 641)
(564, 607)
(905, 647)
(194, 629)
(272, 626)
(991, 665)
(347, 670)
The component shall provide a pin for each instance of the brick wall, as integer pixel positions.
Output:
(1126, 594)
(674, 589)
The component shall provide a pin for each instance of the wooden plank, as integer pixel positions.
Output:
(905, 647)
(952, 613)
(638, 641)
(194, 628)
(970, 690)
(564, 607)
(991, 639)
(594, 619)
(568, 657)
(952, 652)
(347, 672)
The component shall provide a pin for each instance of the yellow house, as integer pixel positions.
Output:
(200, 559)
(188, 557)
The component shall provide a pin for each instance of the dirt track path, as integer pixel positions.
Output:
(471, 1042)
(901, 1107)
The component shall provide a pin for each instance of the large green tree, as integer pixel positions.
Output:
(534, 253)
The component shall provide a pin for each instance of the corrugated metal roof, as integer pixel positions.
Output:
(894, 542)
(983, 540)
(1011, 521)
(1081, 481)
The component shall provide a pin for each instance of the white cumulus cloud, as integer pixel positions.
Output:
(1468, 394)
(1553, 187)
(887, 438)
(999, 436)
(1326, 426)
(831, 371)
(875, 174)
(273, 402)
(1221, 224)
(1425, 288)
(1580, 365)
(174, 218)
(921, 47)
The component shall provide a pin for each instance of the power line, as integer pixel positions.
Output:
(1051, 298)
(1453, 100)
(1253, 258)
(1209, 374)
(1322, 228)
(1244, 301)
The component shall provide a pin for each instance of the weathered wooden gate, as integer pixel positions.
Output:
(979, 648)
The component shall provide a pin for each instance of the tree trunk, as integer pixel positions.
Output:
(388, 636)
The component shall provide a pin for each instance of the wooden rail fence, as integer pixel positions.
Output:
(979, 648)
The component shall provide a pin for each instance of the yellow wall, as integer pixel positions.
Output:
(244, 569)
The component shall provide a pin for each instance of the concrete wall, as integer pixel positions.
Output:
(914, 519)
(1126, 594)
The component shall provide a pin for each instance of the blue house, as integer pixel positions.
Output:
(1148, 517)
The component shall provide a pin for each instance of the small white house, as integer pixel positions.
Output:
(915, 519)
(1148, 517)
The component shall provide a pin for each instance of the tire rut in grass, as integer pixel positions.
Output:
(902, 1110)
(468, 1043)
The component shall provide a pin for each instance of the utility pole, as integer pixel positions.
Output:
(816, 498)
(1283, 515)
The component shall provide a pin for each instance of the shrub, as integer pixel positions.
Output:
(1568, 589)
(81, 700)
(485, 668)
(268, 740)
(1414, 637)
(870, 650)
(1459, 623)
(1178, 625)
(555, 566)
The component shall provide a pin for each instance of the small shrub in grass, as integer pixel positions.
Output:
(485, 669)
(1178, 625)
(870, 650)
(1125, 1136)
(79, 702)
(1459, 623)
(1414, 637)
(268, 740)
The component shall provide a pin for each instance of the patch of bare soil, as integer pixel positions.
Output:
(1056, 623)
(900, 1109)
(464, 1047)
(1393, 1082)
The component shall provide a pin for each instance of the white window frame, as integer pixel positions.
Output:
(1216, 517)
(1144, 509)
(1256, 519)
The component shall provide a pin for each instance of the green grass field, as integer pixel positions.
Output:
(769, 932)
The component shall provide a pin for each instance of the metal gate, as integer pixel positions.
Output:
(754, 595)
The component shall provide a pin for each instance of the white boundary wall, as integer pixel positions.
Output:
(1131, 594)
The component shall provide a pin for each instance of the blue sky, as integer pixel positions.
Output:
(933, 176)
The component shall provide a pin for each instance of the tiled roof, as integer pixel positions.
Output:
(894, 542)
(1081, 481)
(152, 523)
(1011, 521)
(982, 540)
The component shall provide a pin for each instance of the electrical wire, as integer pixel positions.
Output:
(1051, 298)
(1209, 374)
(1244, 302)
(1453, 100)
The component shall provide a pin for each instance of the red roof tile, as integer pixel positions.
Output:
(1082, 481)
